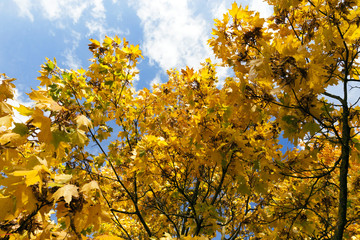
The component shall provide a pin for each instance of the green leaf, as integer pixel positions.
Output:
(242, 185)
(49, 66)
(357, 146)
(289, 119)
(66, 76)
(142, 153)
(79, 137)
(311, 127)
(256, 164)
(21, 129)
(109, 83)
(59, 136)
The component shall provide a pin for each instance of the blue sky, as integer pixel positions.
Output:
(171, 34)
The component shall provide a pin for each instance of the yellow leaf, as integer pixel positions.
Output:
(81, 71)
(42, 122)
(63, 178)
(6, 89)
(8, 137)
(14, 236)
(94, 44)
(108, 237)
(96, 215)
(68, 192)
(25, 199)
(5, 108)
(44, 80)
(88, 186)
(6, 121)
(135, 50)
(234, 10)
(43, 101)
(33, 176)
(107, 41)
(7, 206)
(60, 180)
(79, 137)
(61, 210)
(23, 110)
(83, 122)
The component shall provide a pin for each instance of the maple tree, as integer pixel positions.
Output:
(187, 159)
(289, 63)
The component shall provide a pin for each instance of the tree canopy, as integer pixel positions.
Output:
(188, 159)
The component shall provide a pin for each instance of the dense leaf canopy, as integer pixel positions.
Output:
(188, 159)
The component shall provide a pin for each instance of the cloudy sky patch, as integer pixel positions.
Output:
(171, 34)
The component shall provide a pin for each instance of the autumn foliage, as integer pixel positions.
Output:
(188, 159)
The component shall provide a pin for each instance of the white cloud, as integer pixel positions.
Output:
(74, 40)
(60, 9)
(219, 8)
(99, 29)
(97, 24)
(173, 36)
(353, 93)
(222, 74)
(98, 10)
(262, 7)
(51, 9)
(71, 59)
(65, 14)
(95, 27)
(25, 8)
(156, 80)
(175, 33)
(54, 9)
